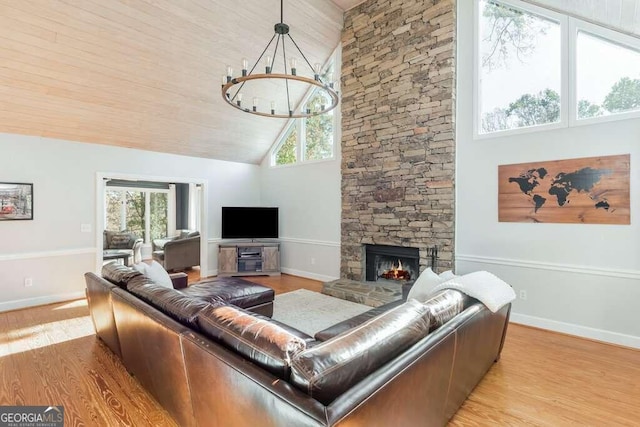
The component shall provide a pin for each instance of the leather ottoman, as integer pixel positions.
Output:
(236, 291)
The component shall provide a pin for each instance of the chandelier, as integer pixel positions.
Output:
(265, 88)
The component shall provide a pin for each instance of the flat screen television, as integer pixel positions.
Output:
(249, 223)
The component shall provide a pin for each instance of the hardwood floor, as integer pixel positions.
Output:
(50, 355)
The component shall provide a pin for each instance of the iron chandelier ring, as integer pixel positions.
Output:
(240, 80)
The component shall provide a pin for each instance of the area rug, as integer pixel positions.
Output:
(311, 312)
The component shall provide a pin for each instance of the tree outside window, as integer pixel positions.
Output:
(319, 130)
(126, 210)
(286, 153)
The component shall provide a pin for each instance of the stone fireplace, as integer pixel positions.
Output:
(398, 149)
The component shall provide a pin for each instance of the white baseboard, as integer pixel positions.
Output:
(33, 302)
(581, 331)
(308, 275)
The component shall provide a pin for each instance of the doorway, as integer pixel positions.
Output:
(151, 209)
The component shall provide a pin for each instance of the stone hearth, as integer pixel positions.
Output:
(373, 294)
(398, 150)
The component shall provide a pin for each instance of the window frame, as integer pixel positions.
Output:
(608, 36)
(300, 123)
(569, 27)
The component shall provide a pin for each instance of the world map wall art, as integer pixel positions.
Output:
(592, 190)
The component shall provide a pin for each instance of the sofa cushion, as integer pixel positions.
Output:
(444, 305)
(118, 274)
(171, 302)
(231, 290)
(328, 369)
(256, 337)
(345, 325)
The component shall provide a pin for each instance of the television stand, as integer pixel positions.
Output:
(249, 259)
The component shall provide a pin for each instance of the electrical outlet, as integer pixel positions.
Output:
(523, 295)
(313, 261)
(28, 282)
(85, 228)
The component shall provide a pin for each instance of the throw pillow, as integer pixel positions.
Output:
(447, 275)
(120, 241)
(156, 273)
(424, 284)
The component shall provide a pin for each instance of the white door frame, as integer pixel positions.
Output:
(204, 204)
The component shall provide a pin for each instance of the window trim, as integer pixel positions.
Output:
(334, 58)
(569, 27)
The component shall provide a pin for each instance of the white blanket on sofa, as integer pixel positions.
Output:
(483, 286)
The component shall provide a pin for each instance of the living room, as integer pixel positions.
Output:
(579, 279)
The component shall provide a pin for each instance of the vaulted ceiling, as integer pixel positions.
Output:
(146, 73)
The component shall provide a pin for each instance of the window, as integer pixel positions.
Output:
(312, 138)
(286, 152)
(143, 212)
(520, 68)
(524, 54)
(318, 141)
(607, 77)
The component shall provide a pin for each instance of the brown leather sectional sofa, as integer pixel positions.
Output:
(211, 356)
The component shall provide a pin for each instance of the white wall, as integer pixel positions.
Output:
(308, 196)
(51, 249)
(579, 279)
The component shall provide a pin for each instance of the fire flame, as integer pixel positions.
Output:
(396, 273)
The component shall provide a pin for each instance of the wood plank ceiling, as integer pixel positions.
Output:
(146, 74)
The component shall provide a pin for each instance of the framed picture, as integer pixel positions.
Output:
(16, 201)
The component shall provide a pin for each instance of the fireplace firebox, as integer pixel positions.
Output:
(398, 263)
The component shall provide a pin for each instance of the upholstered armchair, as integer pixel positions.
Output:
(123, 241)
(179, 252)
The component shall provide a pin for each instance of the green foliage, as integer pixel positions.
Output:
(319, 131)
(159, 206)
(531, 110)
(586, 109)
(495, 120)
(113, 202)
(135, 212)
(509, 31)
(624, 96)
(286, 154)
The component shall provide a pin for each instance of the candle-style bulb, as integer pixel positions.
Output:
(245, 66)
(294, 63)
(229, 71)
(267, 62)
(255, 104)
(239, 99)
(316, 70)
(224, 80)
(273, 107)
